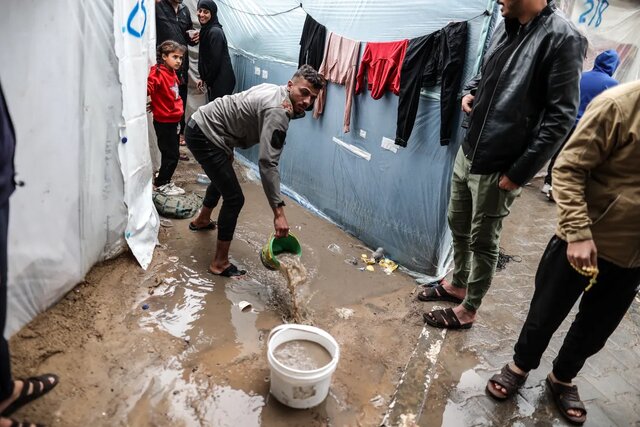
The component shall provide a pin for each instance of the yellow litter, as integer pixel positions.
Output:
(370, 268)
(388, 266)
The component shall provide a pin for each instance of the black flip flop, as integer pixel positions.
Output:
(39, 387)
(211, 226)
(15, 423)
(567, 397)
(507, 379)
(231, 271)
(437, 293)
(444, 319)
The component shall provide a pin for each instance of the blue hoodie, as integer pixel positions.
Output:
(596, 81)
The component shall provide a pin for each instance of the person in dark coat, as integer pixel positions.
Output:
(214, 62)
(173, 22)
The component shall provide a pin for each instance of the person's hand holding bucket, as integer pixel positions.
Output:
(280, 223)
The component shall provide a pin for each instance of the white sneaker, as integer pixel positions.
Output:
(170, 189)
(545, 189)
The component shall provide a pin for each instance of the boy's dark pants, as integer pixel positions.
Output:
(558, 287)
(169, 145)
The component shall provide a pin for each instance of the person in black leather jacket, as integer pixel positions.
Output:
(522, 105)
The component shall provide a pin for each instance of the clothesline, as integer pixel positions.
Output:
(261, 14)
(300, 6)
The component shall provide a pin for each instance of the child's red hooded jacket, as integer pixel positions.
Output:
(162, 87)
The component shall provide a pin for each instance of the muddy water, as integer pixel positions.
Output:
(295, 274)
(304, 355)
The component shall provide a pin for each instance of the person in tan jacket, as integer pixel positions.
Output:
(597, 188)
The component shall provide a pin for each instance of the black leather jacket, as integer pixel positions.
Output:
(535, 100)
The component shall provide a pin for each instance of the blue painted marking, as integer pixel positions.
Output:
(124, 139)
(138, 8)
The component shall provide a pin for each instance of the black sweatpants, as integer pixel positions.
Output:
(558, 287)
(6, 382)
(548, 179)
(218, 166)
(169, 145)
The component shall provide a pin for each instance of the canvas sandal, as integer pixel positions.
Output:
(437, 293)
(444, 319)
(15, 423)
(507, 379)
(211, 226)
(567, 397)
(32, 389)
(231, 271)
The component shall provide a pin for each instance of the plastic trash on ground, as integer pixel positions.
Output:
(335, 249)
(387, 265)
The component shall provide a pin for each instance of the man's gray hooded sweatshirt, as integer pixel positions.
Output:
(259, 115)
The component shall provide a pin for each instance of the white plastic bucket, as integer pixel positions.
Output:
(293, 387)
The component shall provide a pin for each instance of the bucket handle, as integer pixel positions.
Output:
(293, 326)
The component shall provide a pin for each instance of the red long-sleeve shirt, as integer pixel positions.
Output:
(384, 62)
(162, 87)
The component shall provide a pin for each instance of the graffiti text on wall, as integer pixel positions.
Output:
(594, 12)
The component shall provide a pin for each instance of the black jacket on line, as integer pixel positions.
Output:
(438, 56)
(535, 100)
(312, 43)
(173, 26)
(214, 62)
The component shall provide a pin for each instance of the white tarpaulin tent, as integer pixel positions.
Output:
(75, 86)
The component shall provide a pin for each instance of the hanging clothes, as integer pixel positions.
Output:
(437, 57)
(383, 61)
(339, 66)
(312, 43)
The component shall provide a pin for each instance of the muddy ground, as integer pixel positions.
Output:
(192, 358)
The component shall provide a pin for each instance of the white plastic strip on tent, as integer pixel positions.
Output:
(64, 93)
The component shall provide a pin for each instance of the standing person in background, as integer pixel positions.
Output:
(13, 393)
(214, 62)
(167, 108)
(592, 84)
(173, 22)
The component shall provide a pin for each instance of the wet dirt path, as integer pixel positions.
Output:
(191, 357)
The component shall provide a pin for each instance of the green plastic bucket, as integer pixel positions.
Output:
(275, 247)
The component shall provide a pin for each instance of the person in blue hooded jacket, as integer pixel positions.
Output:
(592, 84)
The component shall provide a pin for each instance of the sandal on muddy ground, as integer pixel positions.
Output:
(15, 423)
(567, 397)
(437, 293)
(444, 319)
(211, 226)
(32, 389)
(507, 379)
(231, 271)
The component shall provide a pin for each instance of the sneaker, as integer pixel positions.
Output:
(550, 195)
(545, 189)
(170, 189)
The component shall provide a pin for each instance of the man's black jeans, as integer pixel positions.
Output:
(558, 287)
(219, 168)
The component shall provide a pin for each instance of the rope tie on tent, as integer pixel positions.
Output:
(260, 14)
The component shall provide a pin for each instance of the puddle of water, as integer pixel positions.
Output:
(181, 303)
(227, 407)
(302, 354)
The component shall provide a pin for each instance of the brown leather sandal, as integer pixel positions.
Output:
(567, 397)
(507, 379)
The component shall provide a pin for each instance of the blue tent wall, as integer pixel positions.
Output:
(395, 200)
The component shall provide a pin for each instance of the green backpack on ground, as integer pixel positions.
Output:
(179, 207)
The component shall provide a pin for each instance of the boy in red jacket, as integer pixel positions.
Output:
(167, 109)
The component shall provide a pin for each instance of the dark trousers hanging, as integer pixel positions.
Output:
(558, 287)
(437, 57)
